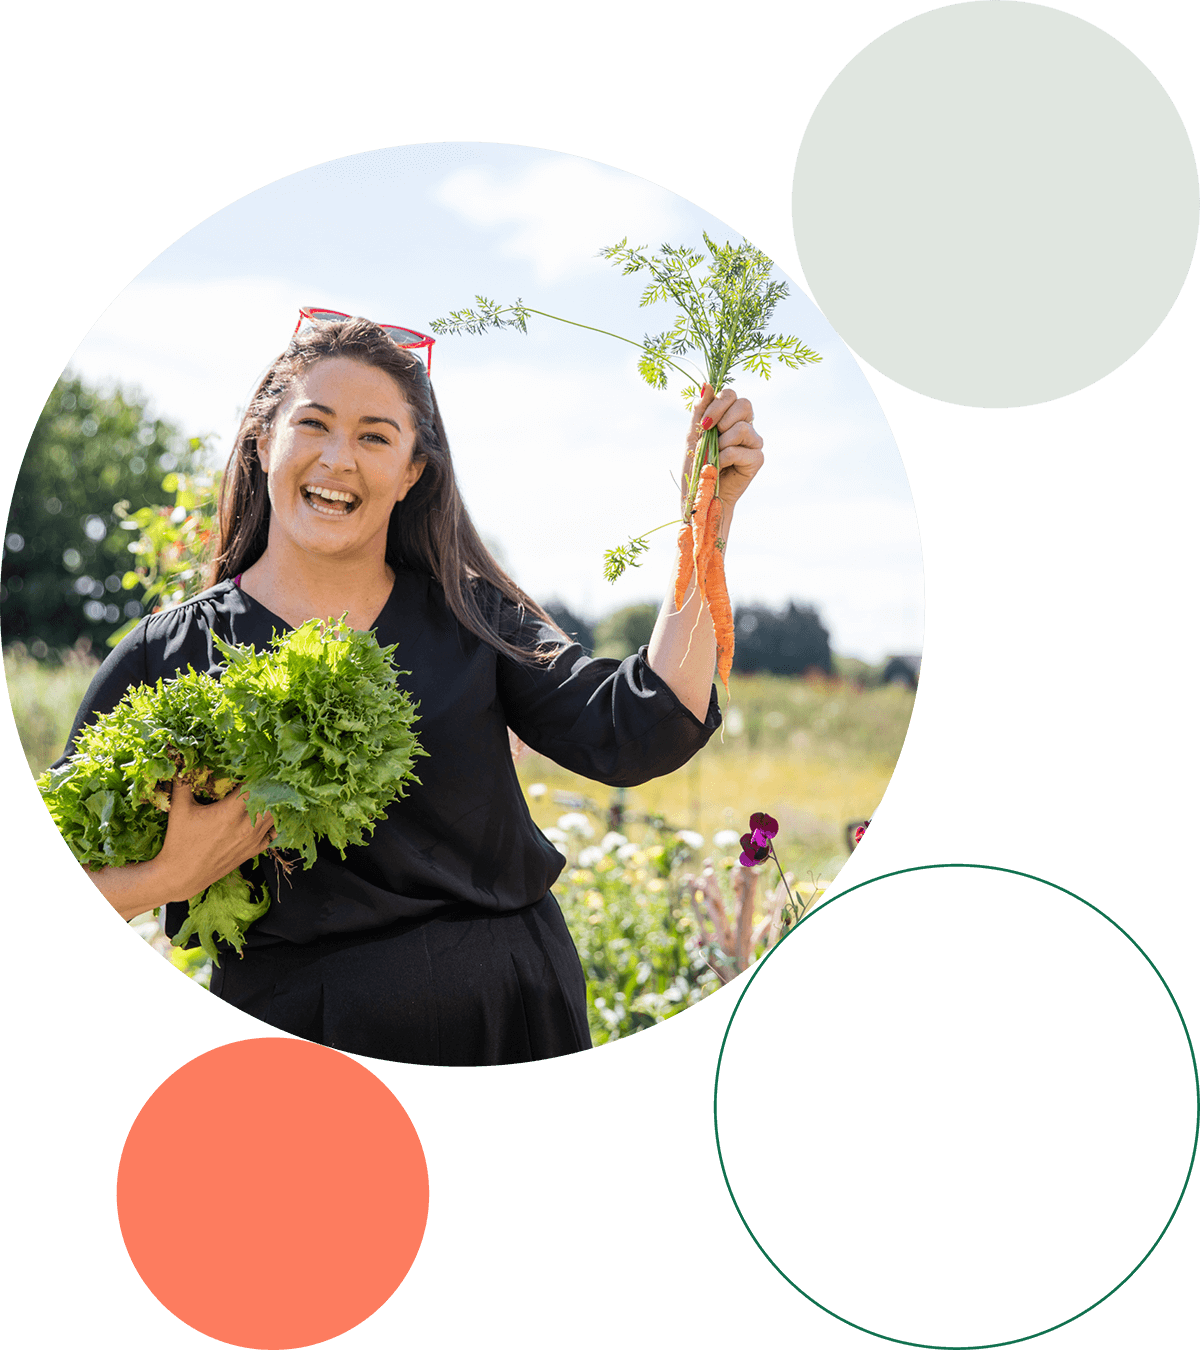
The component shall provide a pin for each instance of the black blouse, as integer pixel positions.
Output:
(465, 833)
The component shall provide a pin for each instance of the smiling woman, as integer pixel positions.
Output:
(438, 942)
(338, 460)
(345, 410)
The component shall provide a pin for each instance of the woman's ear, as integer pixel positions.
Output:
(415, 469)
(262, 449)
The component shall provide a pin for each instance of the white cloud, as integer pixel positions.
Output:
(555, 211)
(194, 348)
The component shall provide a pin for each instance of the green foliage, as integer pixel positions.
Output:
(722, 315)
(616, 560)
(722, 312)
(64, 556)
(623, 632)
(477, 321)
(171, 545)
(641, 920)
(110, 798)
(640, 967)
(641, 958)
(228, 909)
(316, 727)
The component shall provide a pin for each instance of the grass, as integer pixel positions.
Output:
(45, 697)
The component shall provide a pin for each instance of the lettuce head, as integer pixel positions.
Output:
(315, 729)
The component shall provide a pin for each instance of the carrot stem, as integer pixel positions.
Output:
(705, 453)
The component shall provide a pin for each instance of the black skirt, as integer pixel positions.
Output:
(463, 988)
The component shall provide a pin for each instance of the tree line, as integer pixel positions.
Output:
(65, 553)
(789, 641)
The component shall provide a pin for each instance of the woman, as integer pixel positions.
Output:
(439, 941)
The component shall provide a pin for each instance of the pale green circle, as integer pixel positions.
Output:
(995, 204)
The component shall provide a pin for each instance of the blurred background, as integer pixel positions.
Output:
(562, 452)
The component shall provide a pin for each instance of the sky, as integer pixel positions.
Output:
(561, 449)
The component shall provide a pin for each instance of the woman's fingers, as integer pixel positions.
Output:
(205, 842)
(262, 830)
(699, 413)
(706, 413)
(228, 815)
(733, 418)
(739, 444)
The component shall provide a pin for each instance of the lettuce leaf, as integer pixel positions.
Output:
(315, 728)
(225, 910)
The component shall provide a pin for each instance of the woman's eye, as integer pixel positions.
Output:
(316, 421)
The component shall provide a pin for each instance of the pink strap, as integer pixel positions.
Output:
(237, 581)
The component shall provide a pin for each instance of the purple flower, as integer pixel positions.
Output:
(756, 842)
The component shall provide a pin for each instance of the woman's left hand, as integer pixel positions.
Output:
(740, 445)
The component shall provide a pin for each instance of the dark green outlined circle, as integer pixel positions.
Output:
(1015, 1340)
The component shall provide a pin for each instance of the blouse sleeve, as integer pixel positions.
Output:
(613, 721)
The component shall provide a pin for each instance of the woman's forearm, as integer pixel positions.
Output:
(202, 845)
(135, 888)
(683, 646)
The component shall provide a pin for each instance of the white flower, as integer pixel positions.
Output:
(536, 790)
(612, 840)
(690, 838)
(727, 838)
(590, 856)
(575, 822)
(555, 836)
(627, 851)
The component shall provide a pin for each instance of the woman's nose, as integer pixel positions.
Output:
(337, 450)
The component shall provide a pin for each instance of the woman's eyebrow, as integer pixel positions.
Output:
(321, 408)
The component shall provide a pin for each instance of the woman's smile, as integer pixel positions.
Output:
(329, 501)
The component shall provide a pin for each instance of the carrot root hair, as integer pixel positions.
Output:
(722, 615)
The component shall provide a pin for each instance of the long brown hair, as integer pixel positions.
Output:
(429, 531)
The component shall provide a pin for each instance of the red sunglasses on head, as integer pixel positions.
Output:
(408, 338)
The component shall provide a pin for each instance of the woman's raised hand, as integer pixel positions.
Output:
(740, 445)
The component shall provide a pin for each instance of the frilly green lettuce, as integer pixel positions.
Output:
(314, 729)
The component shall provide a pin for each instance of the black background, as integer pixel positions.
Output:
(585, 1198)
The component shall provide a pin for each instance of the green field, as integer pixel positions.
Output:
(816, 754)
(45, 697)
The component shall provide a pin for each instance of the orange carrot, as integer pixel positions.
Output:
(712, 527)
(722, 615)
(686, 563)
(704, 496)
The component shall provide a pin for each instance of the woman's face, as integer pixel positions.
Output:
(338, 457)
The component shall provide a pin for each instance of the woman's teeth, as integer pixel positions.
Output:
(328, 501)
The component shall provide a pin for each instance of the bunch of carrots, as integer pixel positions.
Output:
(702, 551)
(722, 316)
